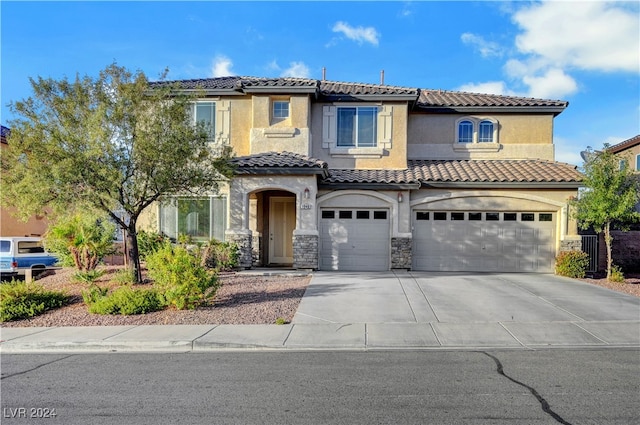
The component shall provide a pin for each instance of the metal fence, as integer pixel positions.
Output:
(590, 246)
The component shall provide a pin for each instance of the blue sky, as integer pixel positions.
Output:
(584, 52)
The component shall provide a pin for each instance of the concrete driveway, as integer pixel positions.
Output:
(467, 309)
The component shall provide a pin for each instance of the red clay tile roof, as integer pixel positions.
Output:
(405, 176)
(277, 160)
(426, 99)
(421, 171)
(494, 171)
(332, 88)
(634, 141)
(444, 98)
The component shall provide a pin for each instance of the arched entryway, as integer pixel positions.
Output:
(273, 221)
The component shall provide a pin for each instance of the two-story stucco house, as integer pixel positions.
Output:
(350, 176)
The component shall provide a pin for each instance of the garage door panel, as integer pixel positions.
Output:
(357, 244)
(508, 244)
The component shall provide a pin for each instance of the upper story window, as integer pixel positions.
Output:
(638, 162)
(622, 164)
(485, 132)
(471, 130)
(281, 109)
(205, 112)
(357, 126)
(465, 132)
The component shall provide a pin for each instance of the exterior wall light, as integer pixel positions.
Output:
(306, 193)
(400, 198)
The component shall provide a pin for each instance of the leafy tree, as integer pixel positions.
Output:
(113, 142)
(610, 195)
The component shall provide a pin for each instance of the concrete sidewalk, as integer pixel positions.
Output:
(394, 310)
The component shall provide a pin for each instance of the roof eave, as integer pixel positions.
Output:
(280, 90)
(505, 185)
(368, 186)
(556, 110)
(368, 97)
(289, 171)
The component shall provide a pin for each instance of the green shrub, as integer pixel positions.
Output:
(88, 276)
(222, 256)
(572, 264)
(149, 242)
(20, 300)
(616, 275)
(180, 277)
(124, 276)
(124, 300)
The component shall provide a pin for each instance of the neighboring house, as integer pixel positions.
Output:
(353, 176)
(11, 226)
(625, 249)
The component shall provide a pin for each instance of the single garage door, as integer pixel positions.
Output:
(484, 241)
(354, 239)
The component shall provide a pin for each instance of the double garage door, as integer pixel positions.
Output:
(354, 239)
(481, 241)
(484, 241)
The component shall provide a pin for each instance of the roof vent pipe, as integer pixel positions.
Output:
(382, 77)
(324, 73)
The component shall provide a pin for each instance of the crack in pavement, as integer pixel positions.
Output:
(543, 403)
(37, 367)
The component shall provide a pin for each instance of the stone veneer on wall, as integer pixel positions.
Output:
(401, 253)
(571, 244)
(243, 241)
(305, 252)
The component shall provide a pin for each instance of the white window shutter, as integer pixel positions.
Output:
(329, 126)
(223, 122)
(385, 130)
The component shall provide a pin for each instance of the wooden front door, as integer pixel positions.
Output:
(282, 221)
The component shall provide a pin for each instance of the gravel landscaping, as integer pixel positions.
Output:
(242, 299)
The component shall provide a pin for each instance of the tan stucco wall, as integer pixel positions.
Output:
(392, 158)
(519, 136)
(630, 155)
(291, 134)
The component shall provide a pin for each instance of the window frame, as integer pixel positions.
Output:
(485, 123)
(213, 224)
(478, 140)
(468, 125)
(276, 112)
(194, 116)
(355, 127)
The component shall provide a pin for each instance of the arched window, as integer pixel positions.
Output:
(465, 132)
(485, 132)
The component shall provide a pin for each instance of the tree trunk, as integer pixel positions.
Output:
(133, 254)
(607, 241)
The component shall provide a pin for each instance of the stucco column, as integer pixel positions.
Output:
(238, 231)
(305, 235)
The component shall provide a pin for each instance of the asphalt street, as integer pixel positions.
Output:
(588, 386)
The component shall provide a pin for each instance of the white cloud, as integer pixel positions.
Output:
(221, 66)
(357, 34)
(600, 36)
(554, 83)
(560, 37)
(489, 87)
(296, 69)
(568, 151)
(486, 48)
